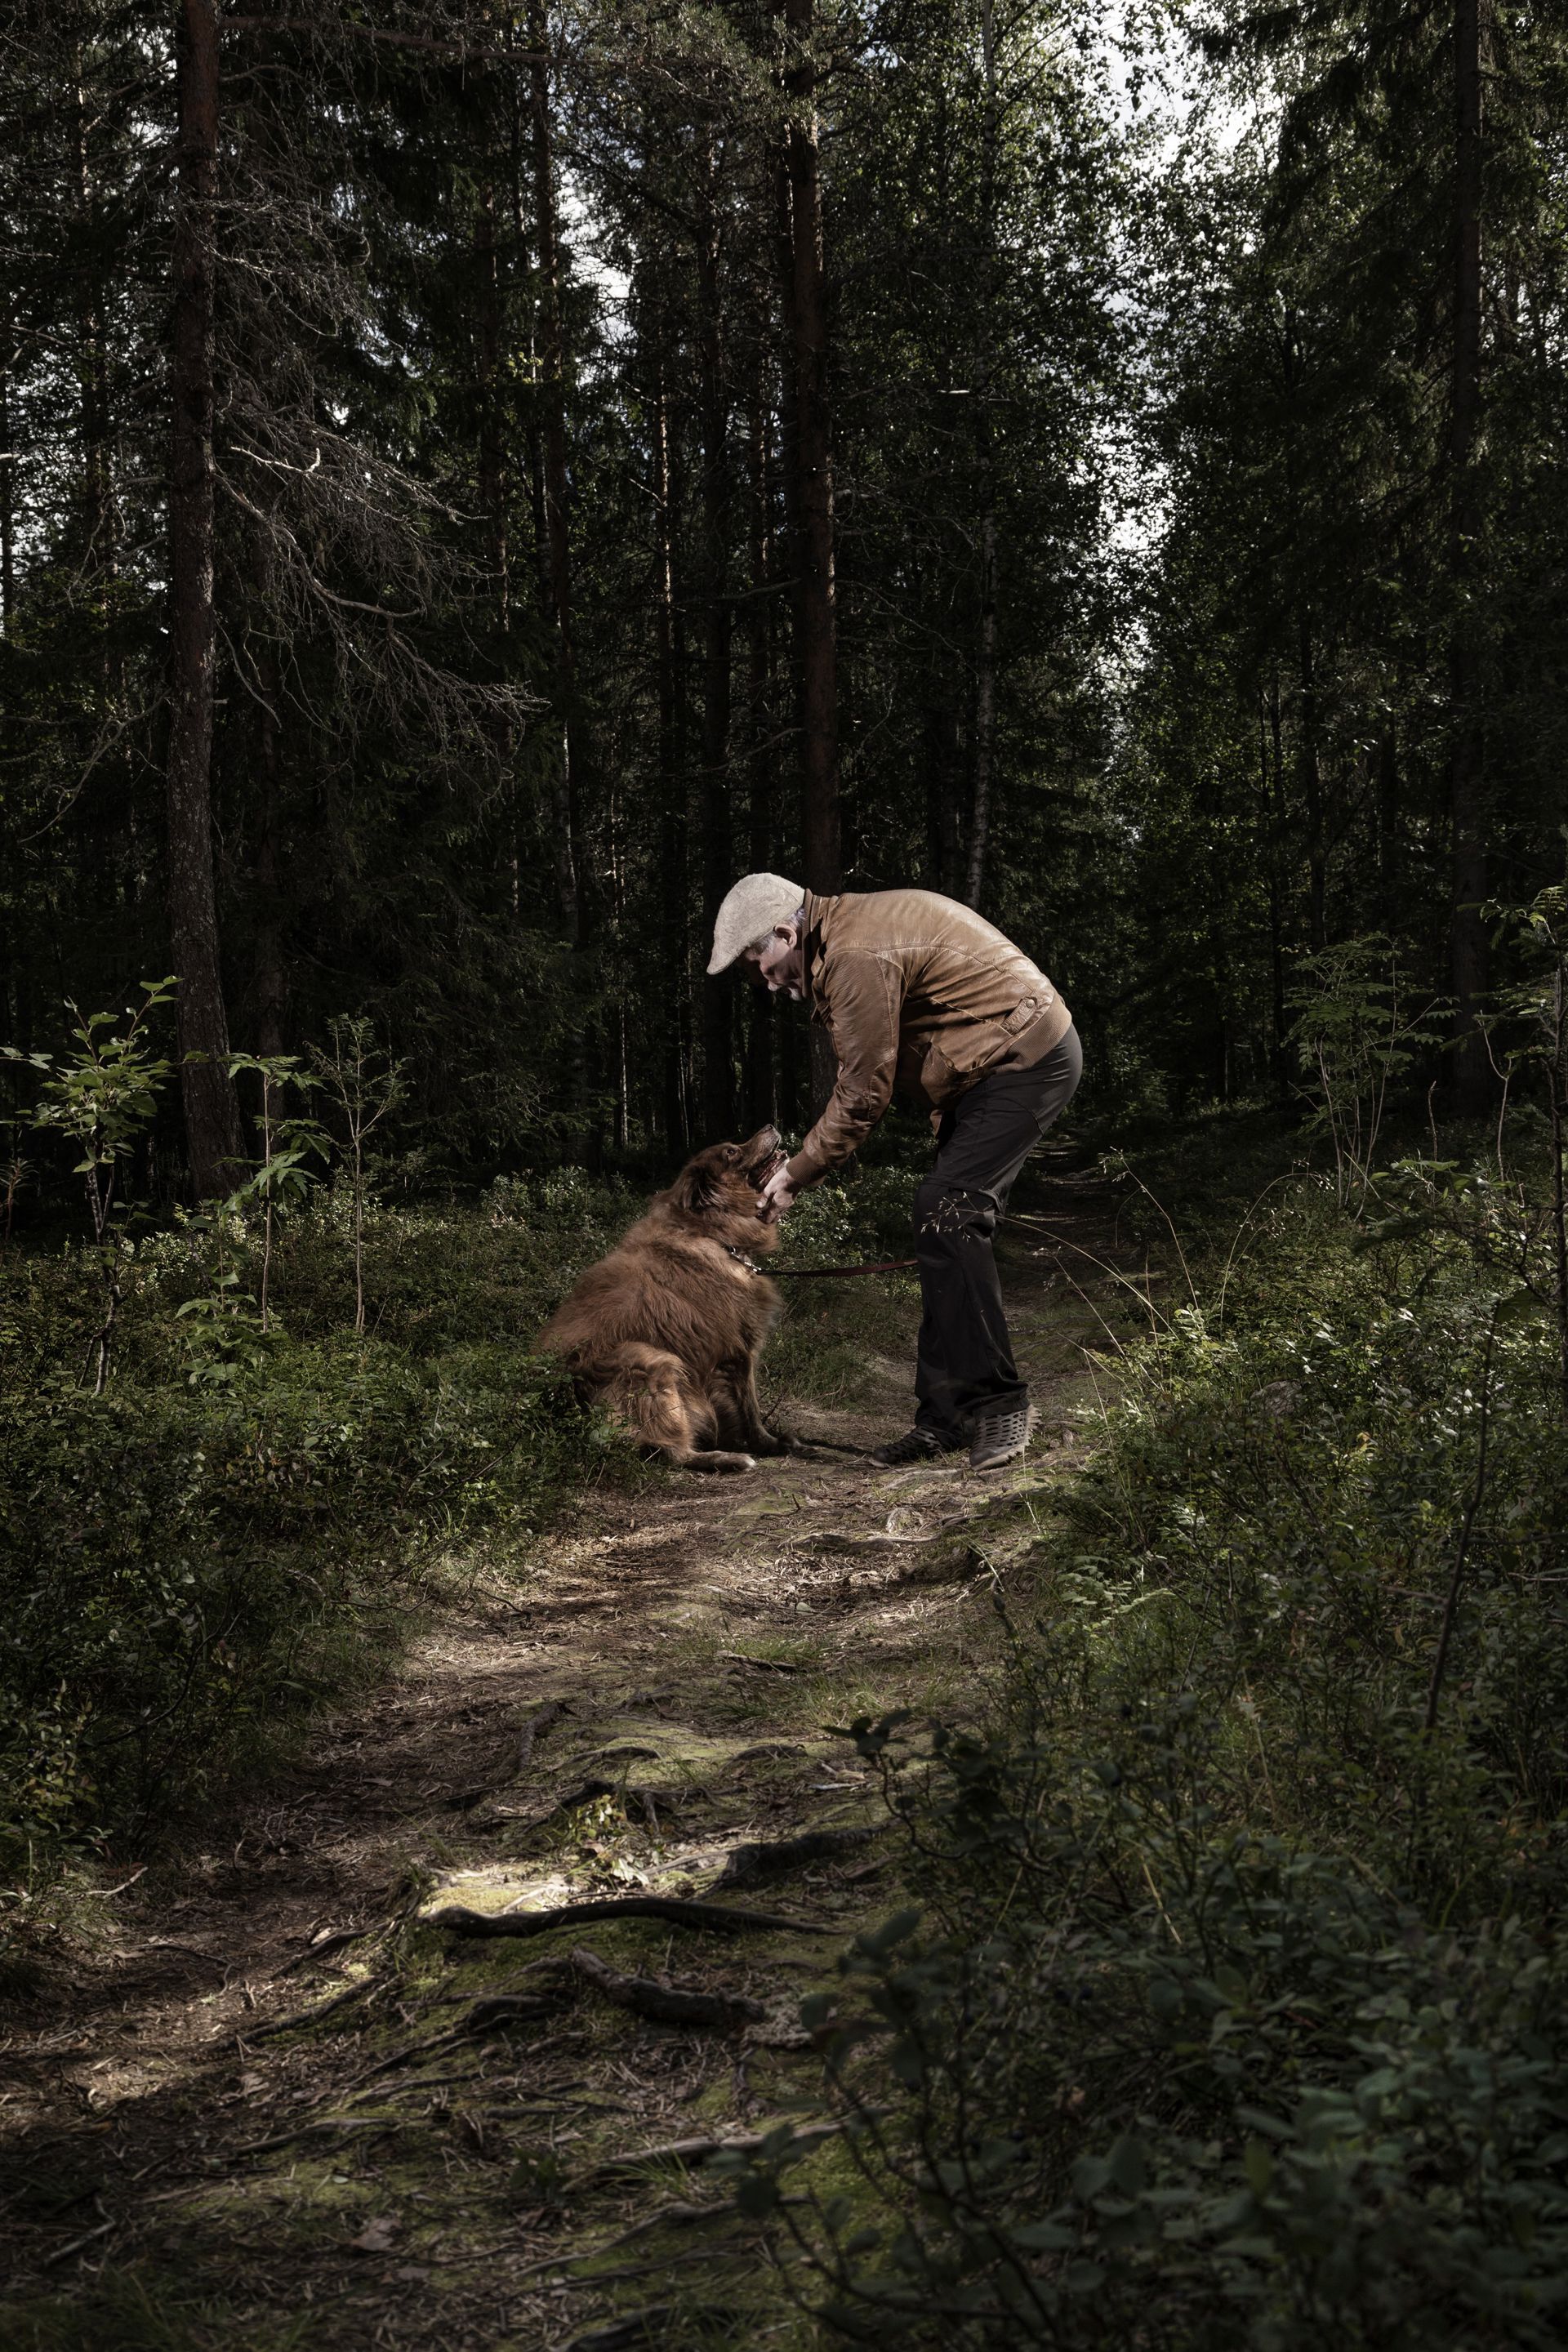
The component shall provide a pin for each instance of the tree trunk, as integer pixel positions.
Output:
(1271, 772)
(718, 856)
(809, 460)
(671, 811)
(985, 669)
(984, 705)
(269, 985)
(552, 376)
(943, 771)
(7, 491)
(1388, 859)
(810, 457)
(492, 445)
(761, 1095)
(1313, 796)
(211, 1107)
(1467, 938)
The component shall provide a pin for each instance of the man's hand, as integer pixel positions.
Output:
(776, 1196)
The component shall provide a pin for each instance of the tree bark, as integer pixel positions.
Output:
(985, 666)
(211, 1108)
(984, 704)
(672, 809)
(811, 457)
(1311, 775)
(761, 1093)
(491, 442)
(1466, 814)
(718, 856)
(269, 984)
(552, 375)
(7, 491)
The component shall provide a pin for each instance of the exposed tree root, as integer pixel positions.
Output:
(676, 1909)
(669, 2004)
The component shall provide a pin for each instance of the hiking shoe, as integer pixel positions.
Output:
(915, 1446)
(1000, 1436)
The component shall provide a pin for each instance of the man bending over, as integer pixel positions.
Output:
(919, 993)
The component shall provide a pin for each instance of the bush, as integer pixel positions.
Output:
(1236, 2010)
(244, 1522)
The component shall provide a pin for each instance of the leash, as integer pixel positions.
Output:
(823, 1273)
(812, 1272)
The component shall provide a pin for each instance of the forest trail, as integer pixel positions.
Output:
(264, 2110)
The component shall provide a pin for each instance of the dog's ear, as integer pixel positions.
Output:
(697, 1188)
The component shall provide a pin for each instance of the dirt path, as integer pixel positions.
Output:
(265, 2111)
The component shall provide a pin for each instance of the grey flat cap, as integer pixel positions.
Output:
(749, 913)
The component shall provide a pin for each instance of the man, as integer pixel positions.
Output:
(917, 991)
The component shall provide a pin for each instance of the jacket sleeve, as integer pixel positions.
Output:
(866, 999)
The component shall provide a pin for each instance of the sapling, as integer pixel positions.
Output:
(13, 1173)
(104, 1099)
(364, 1084)
(288, 1142)
(1357, 1034)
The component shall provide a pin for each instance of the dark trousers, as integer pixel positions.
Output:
(964, 1361)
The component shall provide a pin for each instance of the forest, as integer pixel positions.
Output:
(474, 481)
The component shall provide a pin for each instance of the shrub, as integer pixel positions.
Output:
(1236, 2012)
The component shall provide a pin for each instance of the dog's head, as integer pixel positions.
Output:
(717, 1189)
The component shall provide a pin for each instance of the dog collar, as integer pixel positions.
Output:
(740, 1257)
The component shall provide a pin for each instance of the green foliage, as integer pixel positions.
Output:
(103, 1098)
(1236, 2009)
(247, 1521)
(1357, 1034)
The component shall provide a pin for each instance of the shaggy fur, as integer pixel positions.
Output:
(666, 1331)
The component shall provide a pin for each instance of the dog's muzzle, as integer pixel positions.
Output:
(768, 1166)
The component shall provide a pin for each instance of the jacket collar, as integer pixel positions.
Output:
(818, 918)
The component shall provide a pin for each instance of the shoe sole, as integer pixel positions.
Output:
(1013, 1452)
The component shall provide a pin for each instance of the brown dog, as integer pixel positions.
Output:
(666, 1331)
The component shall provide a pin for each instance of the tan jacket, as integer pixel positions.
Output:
(919, 993)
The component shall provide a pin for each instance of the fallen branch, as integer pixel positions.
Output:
(840, 1540)
(88, 2238)
(544, 1720)
(774, 1858)
(678, 1911)
(332, 1940)
(669, 2004)
(772, 1665)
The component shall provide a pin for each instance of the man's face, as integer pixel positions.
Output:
(779, 964)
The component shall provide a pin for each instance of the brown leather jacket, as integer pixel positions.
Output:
(919, 993)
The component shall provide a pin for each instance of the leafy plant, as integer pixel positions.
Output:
(290, 1144)
(103, 1098)
(1357, 1033)
(1539, 1006)
(364, 1084)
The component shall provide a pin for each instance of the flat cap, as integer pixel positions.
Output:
(749, 913)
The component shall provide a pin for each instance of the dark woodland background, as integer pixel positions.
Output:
(474, 479)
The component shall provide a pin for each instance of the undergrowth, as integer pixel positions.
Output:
(247, 1519)
(1235, 2008)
